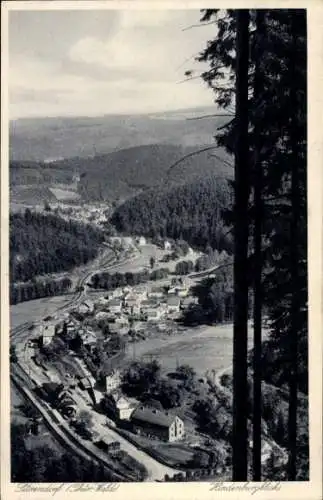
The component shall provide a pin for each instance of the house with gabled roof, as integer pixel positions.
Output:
(173, 304)
(120, 407)
(157, 424)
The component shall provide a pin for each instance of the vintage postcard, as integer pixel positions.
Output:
(161, 249)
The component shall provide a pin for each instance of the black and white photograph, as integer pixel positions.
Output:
(158, 242)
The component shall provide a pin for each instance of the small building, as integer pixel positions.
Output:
(85, 383)
(156, 292)
(102, 315)
(187, 301)
(182, 291)
(117, 293)
(148, 304)
(135, 310)
(120, 407)
(132, 300)
(154, 314)
(87, 336)
(122, 321)
(167, 245)
(112, 381)
(109, 446)
(154, 423)
(103, 301)
(141, 241)
(71, 328)
(173, 304)
(141, 292)
(128, 240)
(87, 307)
(173, 290)
(115, 306)
(48, 333)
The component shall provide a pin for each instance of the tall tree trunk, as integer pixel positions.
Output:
(257, 306)
(241, 226)
(294, 259)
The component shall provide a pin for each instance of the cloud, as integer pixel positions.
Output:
(132, 66)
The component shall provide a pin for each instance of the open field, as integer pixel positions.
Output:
(204, 348)
(64, 194)
(35, 310)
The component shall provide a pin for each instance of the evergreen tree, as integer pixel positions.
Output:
(279, 157)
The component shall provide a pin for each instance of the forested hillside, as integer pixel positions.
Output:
(42, 244)
(123, 173)
(36, 173)
(192, 212)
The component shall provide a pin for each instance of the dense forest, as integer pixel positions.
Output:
(38, 288)
(44, 243)
(191, 211)
(124, 173)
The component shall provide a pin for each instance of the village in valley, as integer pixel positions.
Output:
(91, 370)
(83, 360)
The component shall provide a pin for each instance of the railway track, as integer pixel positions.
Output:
(26, 384)
(60, 432)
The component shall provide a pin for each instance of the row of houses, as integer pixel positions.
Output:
(154, 303)
(141, 241)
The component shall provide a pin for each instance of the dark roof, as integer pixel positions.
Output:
(149, 303)
(152, 416)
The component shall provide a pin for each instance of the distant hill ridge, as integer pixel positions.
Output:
(123, 173)
(40, 139)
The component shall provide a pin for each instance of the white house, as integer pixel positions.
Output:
(70, 327)
(103, 301)
(141, 241)
(112, 381)
(135, 309)
(173, 304)
(122, 321)
(102, 315)
(156, 292)
(48, 333)
(141, 292)
(154, 314)
(187, 301)
(115, 305)
(182, 291)
(148, 304)
(87, 307)
(167, 245)
(157, 424)
(120, 406)
(132, 299)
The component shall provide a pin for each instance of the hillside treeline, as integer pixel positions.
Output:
(38, 289)
(192, 212)
(124, 173)
(42, 244)
(28, 172)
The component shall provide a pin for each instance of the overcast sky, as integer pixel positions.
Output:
(100, 62)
